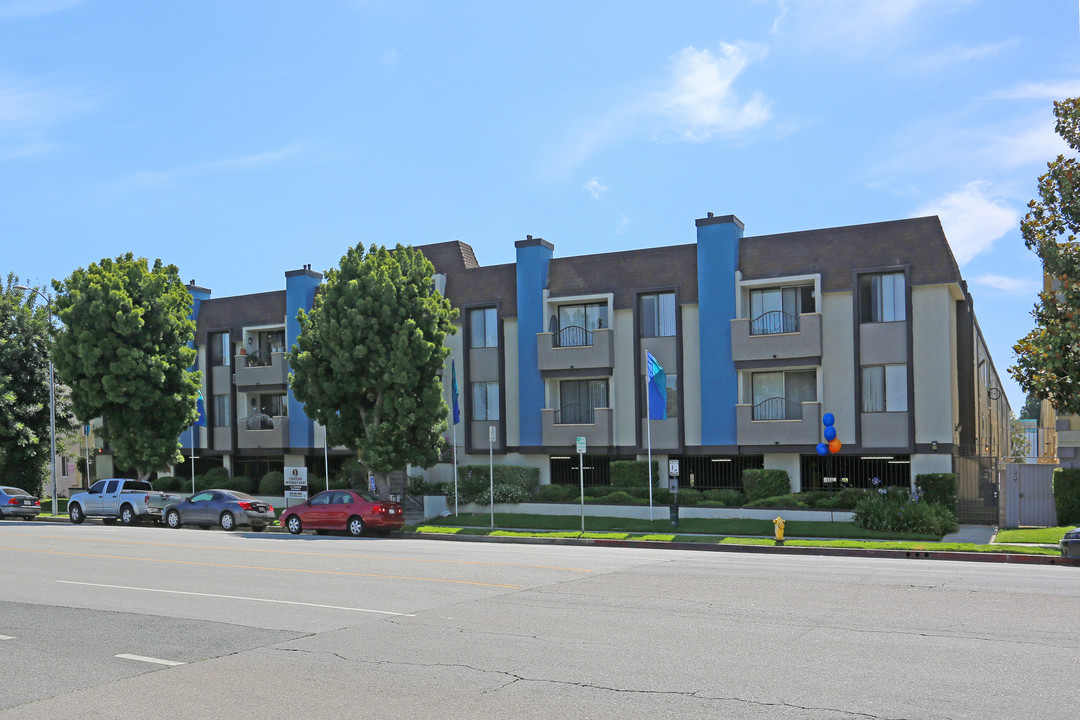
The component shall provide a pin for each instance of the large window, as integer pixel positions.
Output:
(221, 417)
(777, 310)
(882, 298)
(884, 388)
(780, 395)
(483, 328)
(219, 349)
(485, 401)
(577, 322)
(658, 315)
(578, 399)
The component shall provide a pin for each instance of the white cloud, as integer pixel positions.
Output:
(157, 178)
(972, 220)
(1009, 285)
(1029, 142)
(700, 101)
(596, 188)
(1046, 90)
(624, 222)
(957, 55)
(29, 107)
(846, 24)
(33, 8)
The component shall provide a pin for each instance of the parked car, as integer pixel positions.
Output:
(1070, 544)
(118, 498)
(228, 508)
(18, 503)
(350, 510)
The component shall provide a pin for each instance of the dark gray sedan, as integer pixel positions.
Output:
(1070, 544)
(18, 503)
(228, 508)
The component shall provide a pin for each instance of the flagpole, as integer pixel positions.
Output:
(454, 413)
(648, 431)
(192, 457)
(455, 471)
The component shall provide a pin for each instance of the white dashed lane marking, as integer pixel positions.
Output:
(143, 658)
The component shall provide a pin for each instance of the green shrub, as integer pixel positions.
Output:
(419, 486)
(1067, 495)
(557, 493)
(892, 509)
(689, 496)
(939, 488)
(789, 501)
(758, 484)
(351, 469)
(167, 483)
(662, 496)
(633, 473)
(619, 496)
(343, 484)
(218, 473)
(238, 483)
(272, 483)
(725, 496)
(512, 483)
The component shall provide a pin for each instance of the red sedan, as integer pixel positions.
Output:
(349, 510)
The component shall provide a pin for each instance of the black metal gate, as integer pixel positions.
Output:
(977, 483)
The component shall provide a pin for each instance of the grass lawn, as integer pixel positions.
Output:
(1033, 535)
(704, 526)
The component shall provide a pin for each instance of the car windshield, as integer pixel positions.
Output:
(14, 491)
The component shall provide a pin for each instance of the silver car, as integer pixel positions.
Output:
(228, 508)
(18, 503)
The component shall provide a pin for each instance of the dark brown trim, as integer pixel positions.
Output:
(571, 373)
(743, 365)
(269, 387)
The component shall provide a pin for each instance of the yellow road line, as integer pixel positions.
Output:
(298, 552)
(260, 567)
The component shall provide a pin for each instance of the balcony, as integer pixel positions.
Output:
(575, 348)
(263, 431)
(776, 336)
(778, 421)
(562, 427)
(256, 370)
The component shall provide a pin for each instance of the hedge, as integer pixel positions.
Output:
(512, 483)
(633, 473)
(937, 488)
(1067, 495)
(272, 483)
(759, 484)
(167, 483)
(724, 496)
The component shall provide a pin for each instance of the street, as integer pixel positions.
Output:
(118, 621)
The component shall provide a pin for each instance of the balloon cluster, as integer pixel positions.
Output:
(832, 443)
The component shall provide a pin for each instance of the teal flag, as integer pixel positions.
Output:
(657, 388)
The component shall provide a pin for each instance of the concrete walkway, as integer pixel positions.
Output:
(976, 534)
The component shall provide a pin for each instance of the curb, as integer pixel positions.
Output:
(987, 557)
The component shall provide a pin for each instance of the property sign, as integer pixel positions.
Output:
(673, 468)
(296, 495)
(296, 477)
(491, 434)
(581, 446)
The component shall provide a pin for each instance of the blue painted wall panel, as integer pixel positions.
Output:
(717, 261)
(533, 257)
(299, 293)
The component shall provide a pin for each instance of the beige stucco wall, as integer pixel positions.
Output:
(785, 461)
(512, 421)
(838, 363)
(933, 341)
(622, 381)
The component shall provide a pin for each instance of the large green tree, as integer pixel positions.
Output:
(123, 350)
(1048, 358)
(368, 359)
(24, 388)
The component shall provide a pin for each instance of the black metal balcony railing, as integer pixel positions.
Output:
(575, 415)
(573, 336)
(773, 323)
(778, 408)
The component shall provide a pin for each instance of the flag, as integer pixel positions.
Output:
(453, 391)
(200, 405)
(657, 388)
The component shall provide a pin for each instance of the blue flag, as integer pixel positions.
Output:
(201, 420)
(657, 388)
(453, 391)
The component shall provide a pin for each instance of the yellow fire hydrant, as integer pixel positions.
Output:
(778, 523)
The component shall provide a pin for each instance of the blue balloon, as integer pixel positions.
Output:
(822, 449)
(830, 433)
(828, 419)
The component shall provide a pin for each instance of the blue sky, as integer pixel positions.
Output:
(239, 140)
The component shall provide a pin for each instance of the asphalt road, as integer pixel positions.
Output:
(118, 622)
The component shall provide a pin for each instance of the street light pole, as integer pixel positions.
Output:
(52, 400)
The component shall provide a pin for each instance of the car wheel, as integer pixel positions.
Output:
(294, 525)
(76, 514)
(355, 526)
(127, 515)
(173, 519)
(228, 521)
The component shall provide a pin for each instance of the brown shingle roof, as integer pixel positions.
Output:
(231, 314)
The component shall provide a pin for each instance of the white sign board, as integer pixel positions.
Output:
(296, 476)
(673, 468)
(581, 446)
(296, 494)
(491, 434)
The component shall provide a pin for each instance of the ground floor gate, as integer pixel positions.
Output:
(1029, 495)
(976, 489)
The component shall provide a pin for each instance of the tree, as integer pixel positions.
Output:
(1019, 442)
(368, 359)
(124, 352)
(1031, 409)
(24, 388)
(1048, 358)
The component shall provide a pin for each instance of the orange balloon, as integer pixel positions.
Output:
(834, 445)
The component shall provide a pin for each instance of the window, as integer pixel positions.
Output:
(777, 310)
(485, 401)
(484, 325)
(217, 345)
(221, 417)
(658, 315)
(578, 399)
(672, 387)
(882, 298)
(577, 322)
(884, 388)
(63, 466)
(780, 395)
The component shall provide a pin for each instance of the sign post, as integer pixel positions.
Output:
(581, 470)
(295, 484)
(491, 470)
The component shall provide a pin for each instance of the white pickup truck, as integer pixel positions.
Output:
(121, 499)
